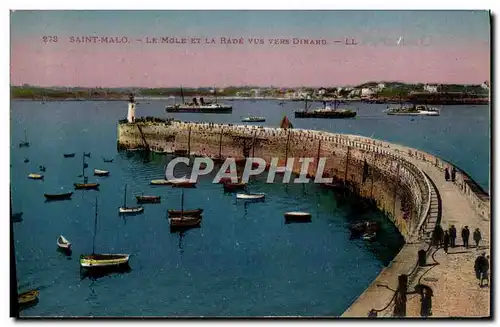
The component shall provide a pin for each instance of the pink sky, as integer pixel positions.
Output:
(159, 66)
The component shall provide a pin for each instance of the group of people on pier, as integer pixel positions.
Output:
(447, 239)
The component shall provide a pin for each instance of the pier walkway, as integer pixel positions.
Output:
(451, 276)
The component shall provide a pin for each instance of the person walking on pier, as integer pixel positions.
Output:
(438, 235)
(453, 174)
(465, 236)
(477, 237)
(446, 241)
(446, 174)
(481, 267)
(453, 235)
(426, 305)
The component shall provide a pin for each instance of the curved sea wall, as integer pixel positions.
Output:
(390, 175)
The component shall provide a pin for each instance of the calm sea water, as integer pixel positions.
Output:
(243, 261)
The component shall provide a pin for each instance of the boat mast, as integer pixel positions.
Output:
(125, 197)
(25, 137)
(95, 227)
(215, 93)
(83, 167)
(182, 96)
(305, 105)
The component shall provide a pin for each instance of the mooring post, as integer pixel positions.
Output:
(400, 301)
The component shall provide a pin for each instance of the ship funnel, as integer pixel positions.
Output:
(195, 101)
(202, 102)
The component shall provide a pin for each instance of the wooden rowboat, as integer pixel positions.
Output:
(295, 216)
(86, 186)
(35, 176)
(184, 183)
(60, 196)
(98, 172)
(185, 213)
(63, 243)
(28, 297)
(131, 209)
(103, 260)
(250, 196)
(184, 222)
(148, 199)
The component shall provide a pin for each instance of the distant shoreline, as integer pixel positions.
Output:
(472, 101)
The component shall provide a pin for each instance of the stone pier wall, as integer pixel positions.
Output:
(396, 186)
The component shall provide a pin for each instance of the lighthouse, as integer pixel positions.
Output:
(131, 109)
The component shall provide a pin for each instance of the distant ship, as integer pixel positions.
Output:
(413, 110)
(253, 119)
(200, 106)
(325, 112)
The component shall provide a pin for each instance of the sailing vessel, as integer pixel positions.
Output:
(183, 221)
(28, 299)
(201, 106)
(99, 260)
(98, 172)
(148, 198)
(63, 243)
(25, 143)
(85, 185)
(58, 196)
(325, 112)
(126, 209)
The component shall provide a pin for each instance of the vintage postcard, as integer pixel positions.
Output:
(250, 163)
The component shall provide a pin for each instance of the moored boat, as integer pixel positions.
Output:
(124, 209)
(369, 236)
(27, 298)
(98, 172)
(17, 217)
(35, 176)
(107, 160)
(295, 216)
(250, 196)
(160, 182)
(59, 196)
(86, 186)
(63, 243)
(25, 143)
(199, 106)
(413, 110)
(68, 155)
(183, 220)
(148, 199)
(99, 260)
(185, 213)
(253, 119)
(326, 112)
(183, 183)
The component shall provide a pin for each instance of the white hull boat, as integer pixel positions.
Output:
(250, 196)
(131, 210)
(63, 243)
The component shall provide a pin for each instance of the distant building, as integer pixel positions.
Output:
(381, 86)
(485, 85)
(431, 88)
(366, 92)
(321, 91)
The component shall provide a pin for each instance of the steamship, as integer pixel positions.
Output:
(325, 112)
(200, 106)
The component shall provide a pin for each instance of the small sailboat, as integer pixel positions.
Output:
(58, 196)
(295, 216)
(25, 143)
(68, 155)
(148, 198)
(86, 154)
(85, 185)
(98, 172)
(96, 260)
(183, 221)
(63, 243)
(42, 168)
(250, 196)
(124, 209)
(26, 160)
(35, 176)
(185, 213)
(160, 182)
